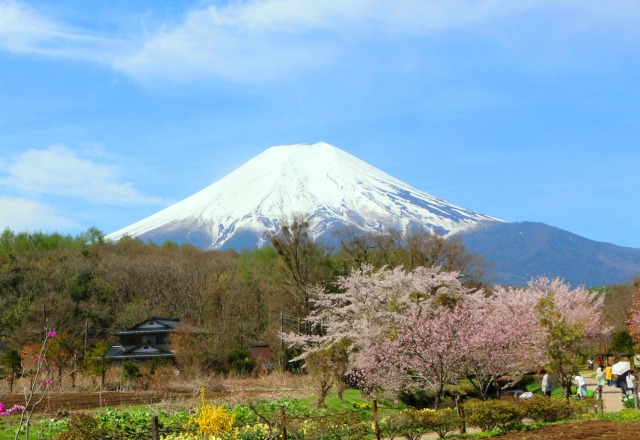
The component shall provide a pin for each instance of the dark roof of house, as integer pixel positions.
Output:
(159, 325)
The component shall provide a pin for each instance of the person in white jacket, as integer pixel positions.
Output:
(547, 383)
(582, 386)
(631, 383)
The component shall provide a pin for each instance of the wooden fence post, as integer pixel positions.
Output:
(283, 421)
(600, 392)
(375, 419)
(463, 424)
(155, 432)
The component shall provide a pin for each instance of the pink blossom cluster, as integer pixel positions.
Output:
(424, 328)
(45, 383)
(4, 412)
(634, 320)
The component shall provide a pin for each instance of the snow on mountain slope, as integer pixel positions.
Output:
(330, 187)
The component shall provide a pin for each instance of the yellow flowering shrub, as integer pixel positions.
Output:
(213, 419)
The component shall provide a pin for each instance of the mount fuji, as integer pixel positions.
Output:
(332, 189)
(329, 187)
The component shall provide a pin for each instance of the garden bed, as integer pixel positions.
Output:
(582, 430)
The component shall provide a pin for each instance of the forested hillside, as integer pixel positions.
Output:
(84, 282)
(75, 283)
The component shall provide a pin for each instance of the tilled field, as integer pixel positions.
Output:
(585, 430)
(56, 402)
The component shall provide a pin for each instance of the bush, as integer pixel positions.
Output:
(491, 414)
(629, 403)
(579, 408)
(83, 427)
(544, 409)
(413, 423)
(400, 424)
(344, 426)
(240, 362)
(212, 419)
(442, 421)
(130, 371)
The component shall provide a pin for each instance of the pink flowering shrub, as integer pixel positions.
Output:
(4, 412)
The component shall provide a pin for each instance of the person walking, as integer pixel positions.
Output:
(608, 375)
(600, 380)
(547, 382)
(631, 383)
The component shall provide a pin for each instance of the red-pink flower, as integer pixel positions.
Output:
(52, 334)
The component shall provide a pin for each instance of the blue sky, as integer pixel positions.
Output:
(523, 110)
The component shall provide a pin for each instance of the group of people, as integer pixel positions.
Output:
(625, 381)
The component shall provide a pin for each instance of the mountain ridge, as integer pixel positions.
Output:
(333, 189)
(522, 250)
(324, 182)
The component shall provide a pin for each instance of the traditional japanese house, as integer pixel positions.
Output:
(148, 339)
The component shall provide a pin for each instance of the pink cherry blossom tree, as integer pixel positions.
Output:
(500, 342)
(374, 312)
(424, 328)
(370, 303)
(570, 324)
(634, 320)
(428, 349)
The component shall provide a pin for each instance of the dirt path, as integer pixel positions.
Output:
(610, 394)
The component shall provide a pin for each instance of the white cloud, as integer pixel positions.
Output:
(263, 40)
(25, 30)
(59, 171)
(27, 215)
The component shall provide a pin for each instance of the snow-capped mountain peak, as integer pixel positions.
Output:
(326, 185)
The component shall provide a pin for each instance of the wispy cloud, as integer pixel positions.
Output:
(25, 30)
(263, 40)
(29, 215)
(59, 171)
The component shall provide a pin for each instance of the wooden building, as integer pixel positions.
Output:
(148, 339)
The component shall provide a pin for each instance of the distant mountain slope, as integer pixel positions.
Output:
(523, 250)
(334, 190)
(330, 187)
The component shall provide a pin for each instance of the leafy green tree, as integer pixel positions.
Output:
(65, 352)
(98, 362)
(328, 368)
(12, 363)
(622, 343)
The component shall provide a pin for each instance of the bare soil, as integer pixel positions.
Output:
(583, 430)
(57, 402)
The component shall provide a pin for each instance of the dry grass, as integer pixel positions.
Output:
(169, 390)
